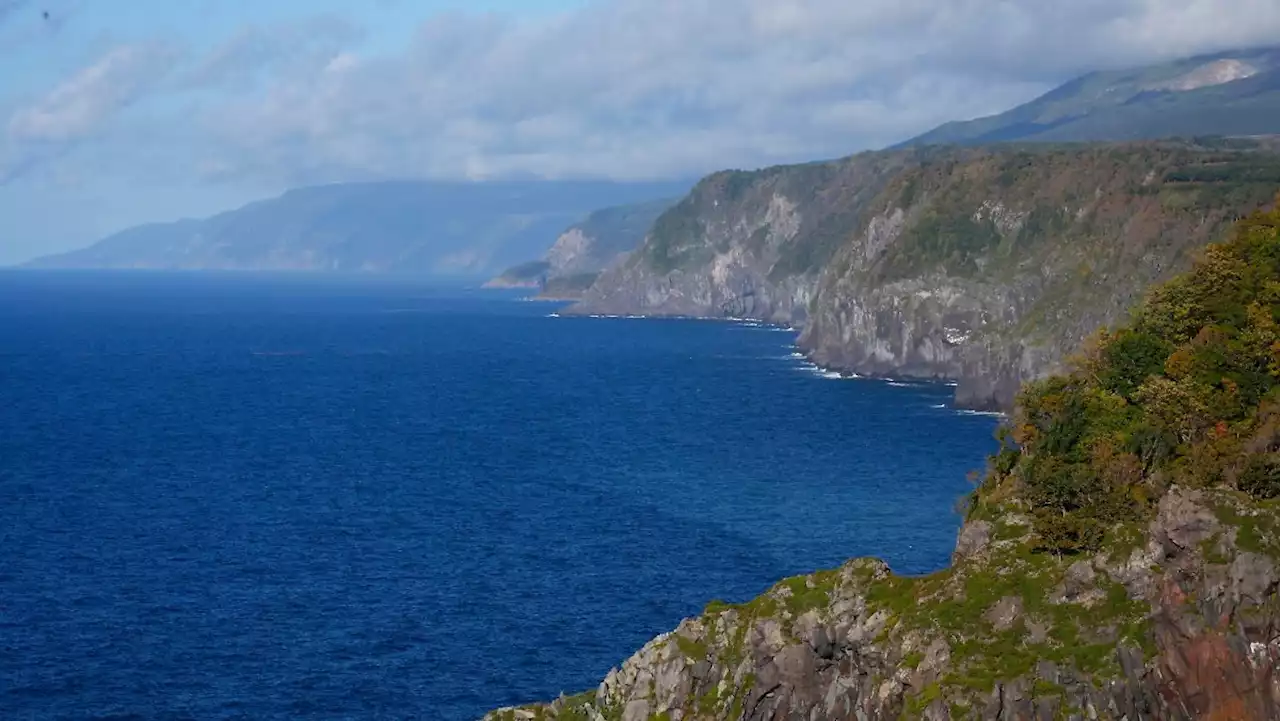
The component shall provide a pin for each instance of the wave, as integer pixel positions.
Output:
(827, 373)
(968, 412)
(940, 405)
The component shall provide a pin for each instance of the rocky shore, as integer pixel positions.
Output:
(983, 266)
(1179, 621)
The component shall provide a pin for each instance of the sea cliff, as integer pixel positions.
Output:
(1175, 622)
(582, 251)
(1120, 557)
(986, 266)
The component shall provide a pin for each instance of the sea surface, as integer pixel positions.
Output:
(285, 497)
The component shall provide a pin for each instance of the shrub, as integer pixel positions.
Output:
(1261, 476)
(1186, 393)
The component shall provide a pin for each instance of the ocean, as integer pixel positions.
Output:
(327, 497)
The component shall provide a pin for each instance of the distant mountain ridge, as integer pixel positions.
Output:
(1228, 93)
(441, 228)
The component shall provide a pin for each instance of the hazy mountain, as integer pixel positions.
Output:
(450, 228)
(1233, 93)
(584, 249)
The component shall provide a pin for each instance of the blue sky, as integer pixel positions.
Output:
(114, 113)
(36, 54)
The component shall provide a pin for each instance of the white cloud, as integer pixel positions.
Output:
(237, 62)
(92, 96)
(626, 88)
(657, 87)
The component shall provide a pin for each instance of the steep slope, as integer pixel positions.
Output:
(982, 265)
(429, 227)
(583, 250)
(1234, 93)
(747, 243)
(1120, 559)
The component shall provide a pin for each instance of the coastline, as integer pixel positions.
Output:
(803, 354)
(964, 399)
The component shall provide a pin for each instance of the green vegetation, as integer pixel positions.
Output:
(1186, 393)
(811, 252)
(692, 648)
(675, 237)
(955, 239)
(1005, 210)
(568, 708)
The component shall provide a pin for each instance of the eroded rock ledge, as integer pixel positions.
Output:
(1174, 620)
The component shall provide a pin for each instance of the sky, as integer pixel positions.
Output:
(124, 112)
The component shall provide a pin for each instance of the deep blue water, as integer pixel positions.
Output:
(314, 498)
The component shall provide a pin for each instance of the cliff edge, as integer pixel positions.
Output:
(986, 266)
(1120, 558)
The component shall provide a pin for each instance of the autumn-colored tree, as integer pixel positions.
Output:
(1189, 392)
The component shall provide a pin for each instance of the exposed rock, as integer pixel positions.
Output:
(1106, 572)
(1079, 585)
(859, 643)
(576, 258)
(973, 539)
(1183, 522)
(983, 266)
(1006, 611)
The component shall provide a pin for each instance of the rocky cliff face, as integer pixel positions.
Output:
(745, 244)
(1120, 557)
(1176, 620)
(585, 249)
(984, 266)
(992, 269)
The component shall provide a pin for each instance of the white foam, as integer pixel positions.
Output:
(896, 384)
(554, 315)
(967, 412)
(827, 372)
(940, 405)
(797, 354)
